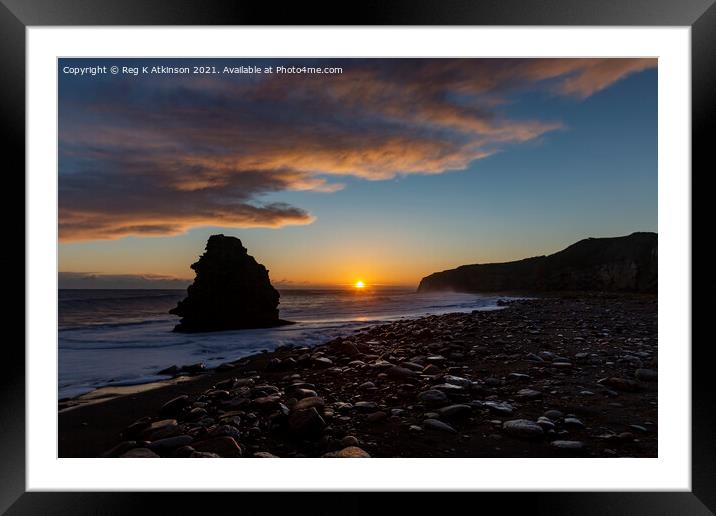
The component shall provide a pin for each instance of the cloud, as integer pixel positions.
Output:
(91, 280)
(127, 195)
(159, 155)
(584, 77)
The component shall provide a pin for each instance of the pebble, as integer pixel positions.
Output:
(350, 440)
(264, 390)
(143, 453)
(310, 402)
(621, 384)
(173, 406)
(227, 430)
(523, 428)
(223, 446)
(568, 445)
(449, 388)
(219, 395)
(345, 347)
(573, 422)
(457, 380)
(265, 455)
(376, 417)
(350, 452)
(545, 423)
(455, 411)
(266, 403)
(303, 393)
(161, 429)
(306, 423)
(323, 362)
(431, 369)
(195, 413)
(400, 372)
(554, 415)
(183, 452)
(434, 424)
(433, 396)
(529, 394)
(366, 406)
(169, 443)
(499, 408)
(137, 427)
(204, 455)
(226, 384)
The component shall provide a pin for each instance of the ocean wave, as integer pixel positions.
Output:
(111, 296)
(133, 340)
(90, 326)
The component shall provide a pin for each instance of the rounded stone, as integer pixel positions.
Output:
(523, 428)
(350, 452)
(434, 424)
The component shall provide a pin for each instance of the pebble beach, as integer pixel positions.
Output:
(558, 375)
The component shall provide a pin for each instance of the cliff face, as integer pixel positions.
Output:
(621, 264)
(231, 291)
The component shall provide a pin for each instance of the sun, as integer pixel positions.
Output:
(360, 284)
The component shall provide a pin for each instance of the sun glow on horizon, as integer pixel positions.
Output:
(359, 284)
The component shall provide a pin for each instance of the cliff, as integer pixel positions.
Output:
(620, 264)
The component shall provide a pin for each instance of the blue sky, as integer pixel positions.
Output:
(356, 181)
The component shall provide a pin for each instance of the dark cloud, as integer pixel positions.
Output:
(90, 280)
(160, 155)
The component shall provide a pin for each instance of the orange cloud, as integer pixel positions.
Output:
(78, 225)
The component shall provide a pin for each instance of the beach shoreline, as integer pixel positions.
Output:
(368, 390)
(115, 338)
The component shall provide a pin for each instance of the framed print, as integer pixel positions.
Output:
(454, 241)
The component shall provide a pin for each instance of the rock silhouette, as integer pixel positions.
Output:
(231, 291)
(620, 264)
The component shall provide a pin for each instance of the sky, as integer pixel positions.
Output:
(385, 172)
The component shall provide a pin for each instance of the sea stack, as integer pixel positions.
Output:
(231, 291)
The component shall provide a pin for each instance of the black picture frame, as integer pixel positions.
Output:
(17, 15)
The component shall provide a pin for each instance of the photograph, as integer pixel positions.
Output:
(346, 257)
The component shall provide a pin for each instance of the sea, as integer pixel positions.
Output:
(124, 337)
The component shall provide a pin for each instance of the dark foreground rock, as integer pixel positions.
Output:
(472, 394)
(621, 264)
(231, 291)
